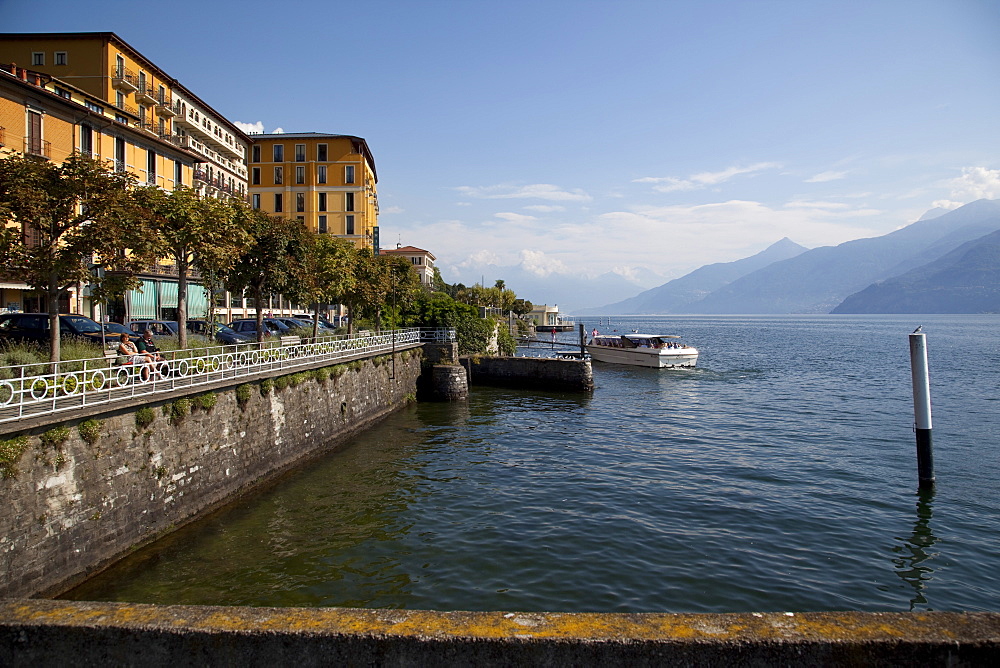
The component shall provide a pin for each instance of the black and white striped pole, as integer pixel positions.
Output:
(922, 407)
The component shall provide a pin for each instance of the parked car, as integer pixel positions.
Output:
(249, 328)
(158, 327)
(295, 323)
(222, 334)
(34, 327)
(324, 324)
(114, 329)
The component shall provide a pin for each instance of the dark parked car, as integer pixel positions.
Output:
(34, 327)
(249, 328)
(158, 327)
(295, 323)
(223, 334)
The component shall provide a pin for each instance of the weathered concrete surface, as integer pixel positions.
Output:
(530, 372)
(41, 632)
(69, 507)
(448, 383)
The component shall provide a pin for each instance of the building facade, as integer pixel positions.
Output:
(50, 119)
(327, 181)
(422, 261)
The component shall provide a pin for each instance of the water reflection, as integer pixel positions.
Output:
(914, 554)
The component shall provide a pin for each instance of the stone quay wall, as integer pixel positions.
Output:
(39, 632)
(530, 373)
(77, 493)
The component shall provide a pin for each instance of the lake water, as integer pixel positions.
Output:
(780, 475)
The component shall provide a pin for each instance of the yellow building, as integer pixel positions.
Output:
(328, 181)
(50, 119)
(141, 95)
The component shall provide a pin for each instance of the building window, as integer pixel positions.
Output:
(278, 153)
(162, 95)
(120, 100)
(119, 154)
(348, 201)
(151, 167)
(178, 174)
(62, 92)
(321, 174)
(277, 202)
(416, 260)
(86, 140)
(37, 59)
(348, 224)
(300, 175)
(300, 153)
(255, 199)
(279, 175)
(61, 58)
(322, 224)
(255, 176)
(255, 154)
(348, 173)
(300, 202)
(321, 152)
(322, 201)
(94, 107)
(34, 138)
(120, 66)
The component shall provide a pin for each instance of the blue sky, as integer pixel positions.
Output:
(585, 137)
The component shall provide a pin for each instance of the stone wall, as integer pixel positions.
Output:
(39, 633)
(530, 372)
(83, 492)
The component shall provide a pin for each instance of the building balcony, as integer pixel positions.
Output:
(165, 108)
(37, 147)
(145, 94)
(128, 109)
(125, 80)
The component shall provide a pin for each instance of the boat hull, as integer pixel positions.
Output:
(664, 358)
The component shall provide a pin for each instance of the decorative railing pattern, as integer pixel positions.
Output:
(74, 384)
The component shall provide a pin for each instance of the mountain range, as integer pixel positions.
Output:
(946, 262)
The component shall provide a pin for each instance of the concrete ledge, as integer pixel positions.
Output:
(35, 631)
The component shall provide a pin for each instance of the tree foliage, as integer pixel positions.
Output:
(321, 272)
(76, 223)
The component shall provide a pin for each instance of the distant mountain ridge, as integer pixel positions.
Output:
(818, 280)
(885, 274)
(674, 296)
(966, 280)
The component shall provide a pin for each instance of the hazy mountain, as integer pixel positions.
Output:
(674, 296)
(966, 280)
(567, 291)
(818, 280)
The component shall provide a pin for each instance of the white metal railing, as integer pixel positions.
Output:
(26, 392)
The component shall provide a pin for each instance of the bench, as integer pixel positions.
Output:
(290, 341)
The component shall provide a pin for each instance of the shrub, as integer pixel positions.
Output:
(179, 410)
(10, 454)
(55, 437)
(281, 382)
(205, 401)
(90, 430)
(144, 417)
(266, 386)
(243, 393)
(320, 375)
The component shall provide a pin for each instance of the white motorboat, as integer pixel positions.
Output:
(653, 350)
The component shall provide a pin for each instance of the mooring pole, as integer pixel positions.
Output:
(922, 407)
(583, 341)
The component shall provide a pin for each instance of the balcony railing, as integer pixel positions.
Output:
(127, 108)
(39, 147)
(165, 108)
(125, 80)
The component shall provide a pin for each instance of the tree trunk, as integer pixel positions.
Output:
(315, 321)
(258, 302)
(182, 309)
(54, 334)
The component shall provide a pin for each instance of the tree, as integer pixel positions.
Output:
(194, 232)
(262, 266)
(377, 278)
(77, 222)
(323, 271)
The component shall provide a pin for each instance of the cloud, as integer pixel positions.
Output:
(279, 131)
(975, 183)
(541, 265)
(391, 209)
(544, 191)
(515, 217)
(702, 180)
(823, 177)
(545, 208)
(250, 128)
